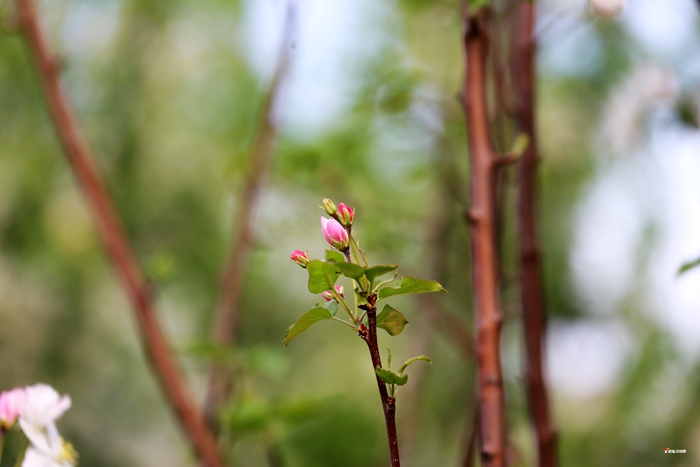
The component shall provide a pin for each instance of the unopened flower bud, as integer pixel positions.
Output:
(328, 295)
(607, 8)
(300, 257)
(346, 215)
(330, 207)
(335, 234)
(10, 407)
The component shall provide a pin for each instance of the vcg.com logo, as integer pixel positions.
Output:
(674, 451)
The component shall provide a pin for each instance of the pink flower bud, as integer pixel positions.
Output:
(335, 234)
(10, 406)
(328, 295)
(300, 257)
(345, 215)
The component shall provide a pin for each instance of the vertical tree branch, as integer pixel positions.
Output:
(114, 239)
(231, 285)
(484, 164)
(532, 298)
(369, 334)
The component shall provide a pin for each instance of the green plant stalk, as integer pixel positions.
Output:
(353, 327)
(340, 300)
(362, 253)
(20, 458)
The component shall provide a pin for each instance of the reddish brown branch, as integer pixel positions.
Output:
(231, 285)
(369, 334)
(485, 264)
(532, 298)
(114, 239)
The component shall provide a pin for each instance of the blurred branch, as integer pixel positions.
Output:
(484, 166)
(473, 431)
(227, 310)
(531, 287)
(83, 165)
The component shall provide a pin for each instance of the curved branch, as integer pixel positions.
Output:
(83, 165)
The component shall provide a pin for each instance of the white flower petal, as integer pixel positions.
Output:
(38, 436)
(35, 458)
(43, 405)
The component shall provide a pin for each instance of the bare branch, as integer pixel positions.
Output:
(484, 256)
(83, 165)
(532, 298)
(242, 239)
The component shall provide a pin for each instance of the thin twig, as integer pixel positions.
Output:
(534, 315)
(485, 267)
(242, 239)
(369, 335)
(83, 164)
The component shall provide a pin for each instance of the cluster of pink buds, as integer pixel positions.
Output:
(335, 230)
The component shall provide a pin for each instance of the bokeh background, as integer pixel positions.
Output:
(170, 95)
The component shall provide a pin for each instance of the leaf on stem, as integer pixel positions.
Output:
(307, 320)
(391, 320)
(322, 276)
(379, 270)
(389, 377)
(414, 359)
(333, 256)
(688, 266)
(411, 285)
(353, 271)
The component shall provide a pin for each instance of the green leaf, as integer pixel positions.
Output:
(331, 306)
(333, 256)
(414, 359)
(353, 271)
(389, 377)
(379, 270)
(307, 320)
(391, 320)
(688, 266)
(388, 283)
(411, 285)
(322, 276)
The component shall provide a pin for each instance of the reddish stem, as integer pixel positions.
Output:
(484, 165)
(369, 334)
(85, 170)
(534, 315)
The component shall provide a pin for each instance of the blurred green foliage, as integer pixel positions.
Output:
(170, 102)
